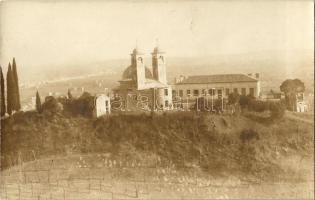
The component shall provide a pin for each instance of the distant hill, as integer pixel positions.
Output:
(274, 67)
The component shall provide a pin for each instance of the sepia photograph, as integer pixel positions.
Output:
(150, 100)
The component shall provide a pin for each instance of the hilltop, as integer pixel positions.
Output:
(219, 145)
(143, 156)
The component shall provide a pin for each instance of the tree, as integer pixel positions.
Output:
(233, 98)
(38, 103)
(246, 100)
(291, 87)
(51, 105)
(10, 90)
(17, 103)
(2, 93)
(69, 94)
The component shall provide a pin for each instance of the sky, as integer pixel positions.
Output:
(50, 33)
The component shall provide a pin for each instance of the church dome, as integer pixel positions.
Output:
(131, 73)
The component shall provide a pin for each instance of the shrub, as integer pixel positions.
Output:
(51, 105)
(84, 105)
(248, 135)
(258, 106)
(233, 98)
(277, 110)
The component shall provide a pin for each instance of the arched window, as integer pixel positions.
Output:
(140, 59)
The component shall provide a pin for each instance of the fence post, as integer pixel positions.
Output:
(6, 192)
(19, 192)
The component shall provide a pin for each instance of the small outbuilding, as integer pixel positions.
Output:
(101, 105)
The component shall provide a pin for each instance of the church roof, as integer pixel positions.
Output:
(151, 83)
(217, 78)
(131, 73)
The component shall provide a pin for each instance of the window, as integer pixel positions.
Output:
(235, 90)
(227, 91)
(251, 91)
(211, 92)
(140, 59)
(161, 58)
(166, 92)
(243, 91)
(166, 103)
(188, 92)
(196, 92)
(219, 93)
(203, 92)
(174, 93)
(181, 93)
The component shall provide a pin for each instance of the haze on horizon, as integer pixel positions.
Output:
(54, 33)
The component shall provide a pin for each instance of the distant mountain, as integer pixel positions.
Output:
(273, 66)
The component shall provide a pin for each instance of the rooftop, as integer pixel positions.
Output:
(218, 78)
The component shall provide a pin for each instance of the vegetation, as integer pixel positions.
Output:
(2, 99)
(233, 98)
(84, 105)
(38, 103)
(17, 103)
(51, 105)
(291, 87)
(13, 94)
(215, 144)
(69, 94)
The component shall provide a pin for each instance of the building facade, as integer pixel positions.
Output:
(142, 88)
(216, 86)
(101, 105)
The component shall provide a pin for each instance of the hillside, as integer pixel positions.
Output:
(216, 144)
(148, 152)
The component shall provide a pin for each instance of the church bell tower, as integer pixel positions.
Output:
(137, 61)
(158, 64)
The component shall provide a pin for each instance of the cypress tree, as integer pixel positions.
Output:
(10, 90)
(38, 103)
(69, 94)
(17, 103)
(2, 93)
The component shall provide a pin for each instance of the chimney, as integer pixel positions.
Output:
(257, 75)
(181, 78)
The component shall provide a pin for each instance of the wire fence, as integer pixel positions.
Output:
(114, 179)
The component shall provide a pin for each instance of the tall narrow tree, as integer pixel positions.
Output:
(2, 94)
(17, 103)
(69, 94)
(38, 103)
(10, 90)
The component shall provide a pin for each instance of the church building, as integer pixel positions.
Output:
(142, 88)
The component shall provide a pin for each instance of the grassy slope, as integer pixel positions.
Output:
(209, 143)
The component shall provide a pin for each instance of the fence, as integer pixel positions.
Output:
(114, 179)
